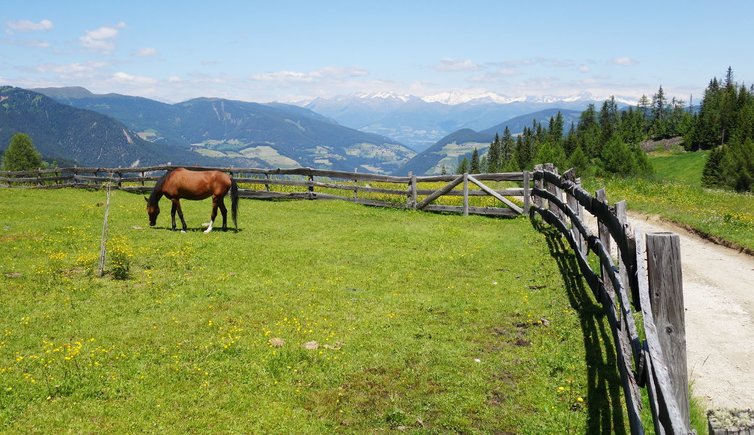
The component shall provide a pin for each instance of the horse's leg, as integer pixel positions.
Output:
(177, 204)
(214, 215)
(173, 208)
(224, 211)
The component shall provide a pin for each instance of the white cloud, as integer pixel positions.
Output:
(128, 79)
(72, 68)
(455, 65)
(584, 68)
(147, 52)
(174, 79)
(27, 26)
(101, 39)
(323, 74)
(624, 61)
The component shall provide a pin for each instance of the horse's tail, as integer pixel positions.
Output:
(234, 201)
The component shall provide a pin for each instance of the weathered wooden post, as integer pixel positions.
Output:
(411, 193)
(267, 185)
(666, 300)
(573, 204)
(604, 235)
(465, 194)
(539, 184)
(580, 212)
(527, 191)
(310, 188)
(103, 241)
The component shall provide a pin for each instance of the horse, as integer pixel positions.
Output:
(194, 185)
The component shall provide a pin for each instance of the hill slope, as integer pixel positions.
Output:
(67, 133)
(419, 123)
(450, 149)
(265, 135)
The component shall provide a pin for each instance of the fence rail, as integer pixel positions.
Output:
(511, 199)
(658, 362)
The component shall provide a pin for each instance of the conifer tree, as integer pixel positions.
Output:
(474, 166)
(21, 155)
(463, 166)
(507, 145)
(493, 156)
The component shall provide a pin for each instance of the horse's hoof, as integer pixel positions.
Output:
(183, 231)
(208, 230)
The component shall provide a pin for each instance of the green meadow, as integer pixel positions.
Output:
(313, 317)
(675, 194)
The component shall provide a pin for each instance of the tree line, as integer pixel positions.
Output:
(602, 142)
(725, 125)
(607, 141)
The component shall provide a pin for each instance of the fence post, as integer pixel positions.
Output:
(465, 194)
(580, 212)
(266, 185)
(573, 204)
(527, 192)
(310, 189)
(103, 241)
(666, 300)
(604, 235)
(411, 193)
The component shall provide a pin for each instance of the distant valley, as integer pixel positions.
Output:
(75, 125)
(245, 134)
(421, 122)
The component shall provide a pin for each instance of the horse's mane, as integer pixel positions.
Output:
(157, 191)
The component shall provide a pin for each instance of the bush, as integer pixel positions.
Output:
(120, 258)
(21, 154)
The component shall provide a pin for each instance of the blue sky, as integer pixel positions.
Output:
(296, 50)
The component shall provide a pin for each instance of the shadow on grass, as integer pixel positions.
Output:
(604, 393)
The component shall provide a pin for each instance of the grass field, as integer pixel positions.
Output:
(314, 317)
(676, 195)
(685, 168)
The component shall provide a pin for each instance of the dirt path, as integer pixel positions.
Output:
(718, 291)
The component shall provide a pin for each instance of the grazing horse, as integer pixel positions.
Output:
(183, 183)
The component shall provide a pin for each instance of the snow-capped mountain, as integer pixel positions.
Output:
(419, 122)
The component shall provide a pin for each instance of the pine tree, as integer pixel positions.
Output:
(493, 155)
(507, 146)
(463, 166)
(580, 162)
(21, 155)
(659, 123)
(712, 173)
(474, 167)
(609, 119)
(555, 129)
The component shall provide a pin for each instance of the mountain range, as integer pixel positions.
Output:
(70, 135)
(422, 122)
(241, 133)
(75, 125)
(449, 150)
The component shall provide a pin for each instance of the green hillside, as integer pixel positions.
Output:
(683, 168)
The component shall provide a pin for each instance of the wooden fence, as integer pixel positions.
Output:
(410, 192)
(646, 281)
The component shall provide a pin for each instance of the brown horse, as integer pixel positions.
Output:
(183, 183)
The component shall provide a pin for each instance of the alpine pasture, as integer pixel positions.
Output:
(316, 316)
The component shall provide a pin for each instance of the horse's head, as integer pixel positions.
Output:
(153, 210)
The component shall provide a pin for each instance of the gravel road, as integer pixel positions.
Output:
(718, 291)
